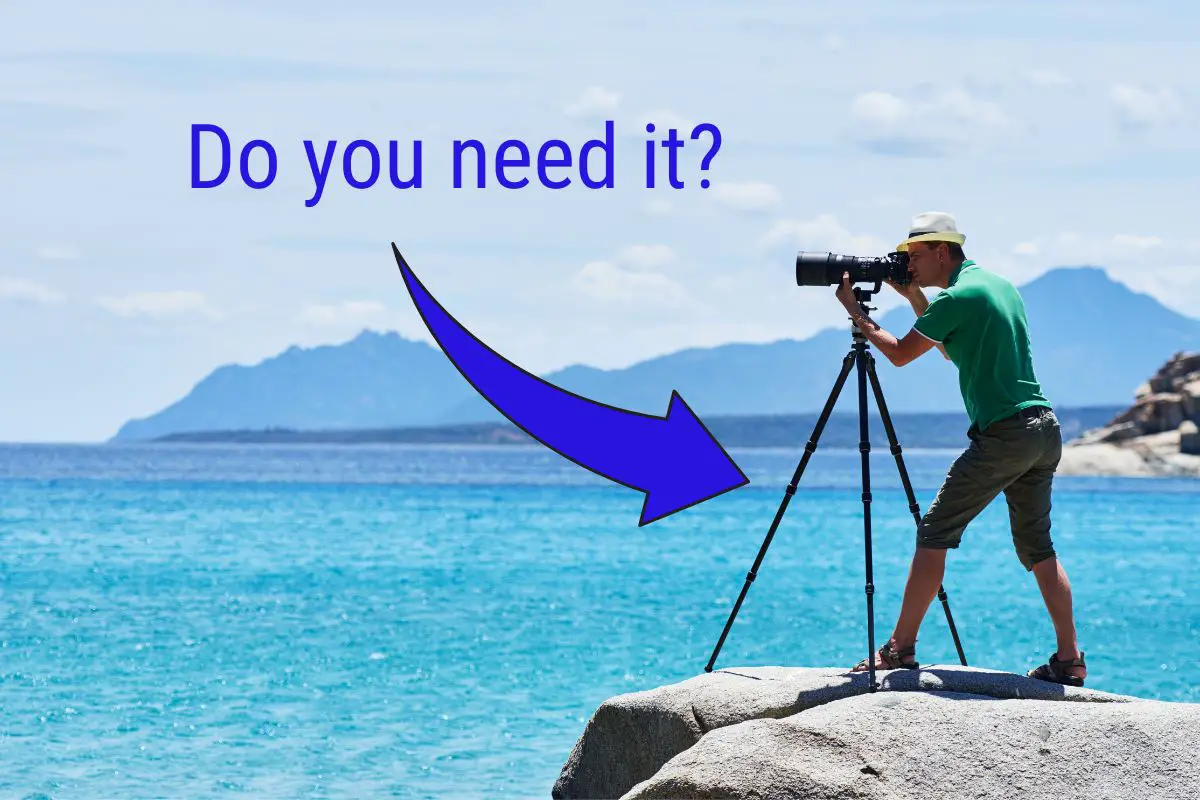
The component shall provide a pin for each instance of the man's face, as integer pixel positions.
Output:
(925, 262)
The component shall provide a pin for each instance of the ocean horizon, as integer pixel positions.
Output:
(217, 620)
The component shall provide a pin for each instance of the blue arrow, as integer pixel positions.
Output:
(674, 459)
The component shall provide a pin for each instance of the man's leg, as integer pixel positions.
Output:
(974, 480)
(1029, 504)
(1056, 591)
(924, 578)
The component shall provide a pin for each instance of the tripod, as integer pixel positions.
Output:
(860, 356)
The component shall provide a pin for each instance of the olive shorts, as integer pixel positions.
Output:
(1018, 456)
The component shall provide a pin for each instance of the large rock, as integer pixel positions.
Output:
(1166, 400)
(944, 745)
(686, 739)
(1189, 438)
(1155, 455)
(1191, 399)
(1151, 437)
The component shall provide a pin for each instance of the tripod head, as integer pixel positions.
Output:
(863, 296)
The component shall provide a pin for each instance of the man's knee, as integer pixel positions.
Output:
(934, 536)
(1032, 552)
(955, 506)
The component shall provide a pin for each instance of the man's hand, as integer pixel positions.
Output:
(845, 293)
(912, 293)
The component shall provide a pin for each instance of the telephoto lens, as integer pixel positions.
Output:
(825, 269)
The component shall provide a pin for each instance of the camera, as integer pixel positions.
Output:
(825, 269)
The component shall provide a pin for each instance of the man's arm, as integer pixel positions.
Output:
(897, 351)
(919, 303)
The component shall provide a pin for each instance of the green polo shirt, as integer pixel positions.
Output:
(979, 318)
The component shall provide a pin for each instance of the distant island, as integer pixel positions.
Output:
(914, 430)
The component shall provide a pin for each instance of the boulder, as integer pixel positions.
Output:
(942, 745)
(1132, 443)
(799, 732)
(1153, 414)
(1189, 438)
(1118, 433)
(1179, 366)
(1157, 455)
(1191, 400)
(1160, 383)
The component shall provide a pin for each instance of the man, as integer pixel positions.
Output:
(978, 322)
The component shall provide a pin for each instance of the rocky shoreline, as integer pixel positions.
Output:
(1158, 436)
(939, 732)
(1152, 456)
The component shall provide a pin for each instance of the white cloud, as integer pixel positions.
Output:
(957, 105)
(1141, 108)
(1026, 249)
(647, 256)
(879, 107)
(961, 106)
(159, 305)
(609, 282)
(931, 124)
(595, 101)
(750, 196)
(833, 42)
(823, 233)
(349, 311)
(1161, 267)
(57, 253)
(20, 289)
(1048, 79)
(1136, 242)
(1175, 285)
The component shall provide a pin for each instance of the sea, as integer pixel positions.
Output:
(430, 621)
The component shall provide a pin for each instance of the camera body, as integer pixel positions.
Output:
(825, 269)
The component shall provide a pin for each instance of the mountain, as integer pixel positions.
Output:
(1094, 341)
(374, 380)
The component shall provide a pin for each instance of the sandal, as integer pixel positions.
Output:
(892, 658)
(1055, 671)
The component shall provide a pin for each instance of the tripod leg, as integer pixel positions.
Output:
(809, 449)
(912, 500)
(864, 448)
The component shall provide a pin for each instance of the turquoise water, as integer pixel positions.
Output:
(419, 621)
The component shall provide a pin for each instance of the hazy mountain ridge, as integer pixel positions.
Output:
(1094, 342)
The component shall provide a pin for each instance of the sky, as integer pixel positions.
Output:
(1057, 134)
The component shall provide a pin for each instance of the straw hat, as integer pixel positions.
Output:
(932, 226)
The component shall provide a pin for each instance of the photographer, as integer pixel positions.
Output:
(978, 322)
